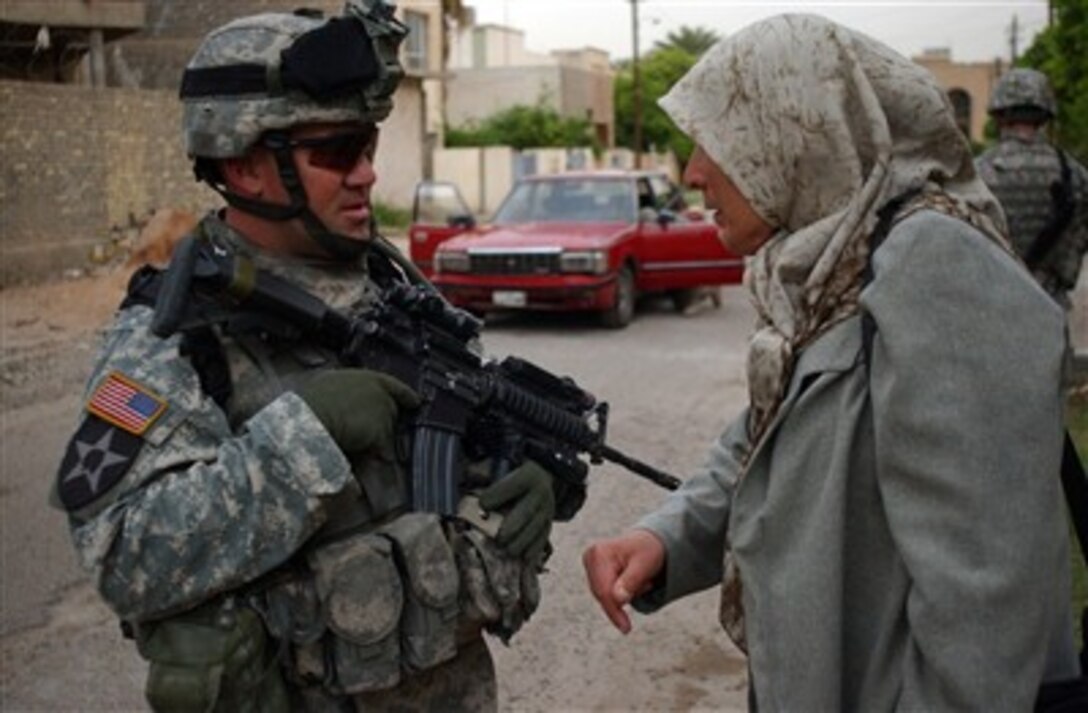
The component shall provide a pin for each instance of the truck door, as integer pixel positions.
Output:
(678, 252)
(438, 213)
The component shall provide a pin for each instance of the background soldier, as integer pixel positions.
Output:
(1042, 189)
(236, 492)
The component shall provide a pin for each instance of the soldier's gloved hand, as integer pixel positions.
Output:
(358, 407)
(526, 495)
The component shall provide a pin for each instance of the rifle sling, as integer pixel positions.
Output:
(1061, 198)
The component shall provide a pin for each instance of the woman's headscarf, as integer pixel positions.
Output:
(819, 126)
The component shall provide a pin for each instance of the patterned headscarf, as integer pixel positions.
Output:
(819, 126)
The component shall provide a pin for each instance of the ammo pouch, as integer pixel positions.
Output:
(378, 603)
(212, 658)
(500, 592)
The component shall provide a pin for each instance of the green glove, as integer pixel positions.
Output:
(527, 492)
(358, 407)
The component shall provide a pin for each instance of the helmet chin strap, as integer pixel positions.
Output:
(339, 247)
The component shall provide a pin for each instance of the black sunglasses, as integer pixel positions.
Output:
(336, 152)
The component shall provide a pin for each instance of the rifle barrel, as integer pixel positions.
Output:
(666, 481)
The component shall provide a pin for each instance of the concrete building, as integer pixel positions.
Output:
(492, 70)
(63, 40)
(969, 85)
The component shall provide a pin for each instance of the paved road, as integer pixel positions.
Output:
(673, 382)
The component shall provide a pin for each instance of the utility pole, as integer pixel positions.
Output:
(637, 84)
(1014, 37)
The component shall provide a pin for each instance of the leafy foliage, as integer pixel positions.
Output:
(1061, 52)
(391, 217)
(659, 70)
(524, 127)
(693, 40)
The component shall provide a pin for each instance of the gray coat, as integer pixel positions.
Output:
(900, 534)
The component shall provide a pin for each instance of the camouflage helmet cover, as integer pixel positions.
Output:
(1023, 88)
(228, 124)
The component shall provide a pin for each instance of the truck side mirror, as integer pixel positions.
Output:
(664, 217)
(465, 221)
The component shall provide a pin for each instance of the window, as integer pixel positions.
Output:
(961, 109)
(415, 45)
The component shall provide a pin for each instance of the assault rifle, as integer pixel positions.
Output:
(474, 409)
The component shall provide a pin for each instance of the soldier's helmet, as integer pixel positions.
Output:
(1023, 91)
(273, 71)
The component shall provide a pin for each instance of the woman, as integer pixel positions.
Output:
(885, 518)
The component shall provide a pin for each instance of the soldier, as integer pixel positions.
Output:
(1042, 189)
(236, 493)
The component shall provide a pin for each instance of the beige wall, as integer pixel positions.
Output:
(400, 155)
(977, 79)
(483, 175)
(474, 94)
(481, 46)
(433, 10)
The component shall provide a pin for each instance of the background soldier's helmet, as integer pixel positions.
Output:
(1023, 90)
(273, 71)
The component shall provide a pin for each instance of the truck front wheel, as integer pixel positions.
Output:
(621, 312)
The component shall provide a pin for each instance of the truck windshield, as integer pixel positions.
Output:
(568, 200)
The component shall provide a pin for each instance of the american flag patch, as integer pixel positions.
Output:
(124, 403)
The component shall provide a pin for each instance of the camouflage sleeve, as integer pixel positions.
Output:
(1078, 228)
(197, 509)
(1062, 267)
(984, 166)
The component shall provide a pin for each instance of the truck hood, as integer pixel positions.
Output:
(568, 236)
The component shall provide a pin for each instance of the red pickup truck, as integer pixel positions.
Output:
(572, 241)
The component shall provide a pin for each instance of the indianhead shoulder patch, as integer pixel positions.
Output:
(108, 440)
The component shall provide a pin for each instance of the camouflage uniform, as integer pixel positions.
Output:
(1020, 171)
(160, 539)
(219, 518)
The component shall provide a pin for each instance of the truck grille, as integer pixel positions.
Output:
(515, 263)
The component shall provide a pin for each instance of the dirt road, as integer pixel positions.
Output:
(673, 382)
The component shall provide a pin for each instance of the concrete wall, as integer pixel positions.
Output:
(483, 175)
(400, 152)
(587, 94)
(475, 94)
(492, 45)
(80, 163)
(127, 14)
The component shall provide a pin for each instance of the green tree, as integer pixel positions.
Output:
(693, 40)
(524, 127)
(1061, 52)
(659, 70)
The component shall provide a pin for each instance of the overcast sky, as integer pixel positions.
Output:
(975, 30)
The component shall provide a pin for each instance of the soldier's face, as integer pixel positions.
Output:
(335, 163)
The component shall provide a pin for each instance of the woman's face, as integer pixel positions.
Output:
(739, 227)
